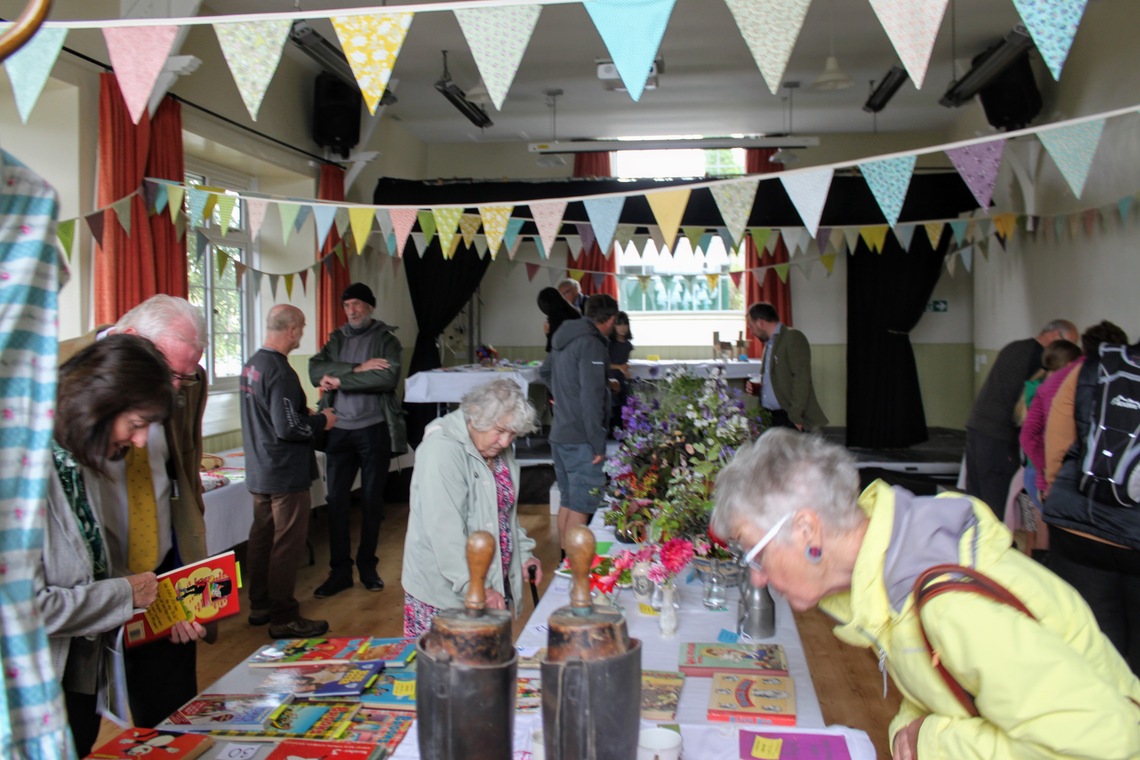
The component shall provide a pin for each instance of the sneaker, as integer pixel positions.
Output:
(332, 586)
(374, 584)
(301, 628)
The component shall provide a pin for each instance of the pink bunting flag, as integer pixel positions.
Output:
(403, 219)
(137, 56)
(548, 217)
(978, 165)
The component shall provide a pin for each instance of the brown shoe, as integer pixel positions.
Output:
(301, 628)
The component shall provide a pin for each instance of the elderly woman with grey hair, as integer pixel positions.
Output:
(466, 479)
(995, 681)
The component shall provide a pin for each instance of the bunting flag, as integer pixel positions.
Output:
(495, 224)
(446, 224)
(65, 234)
(632, 54)
(360, 220)
(341, 219)
(1072, 148)
(760, 237)
(734, 202)
(255, 209)
(1005, 224)
(668, 207)
(403, 219)
(273, 280)
(387, 233)
(574, 243)
(288, 213)
(904, 233)
(808, 192)
(978, 165)
(713, 281)
(481, 245)
(324, 215)
(252, 50)
(912, 28)
(1052, 24)
(693, 234)
(736, 277)
(30, 66)
(304, 211)
(770, 27)
(958, 227)
(782, 272)
(289, 286)
(967, 255)
(175, 194)
(622, 236)
(511, 235)
(420, 242)
(889, 179)
(838, 238)
(851, 237)
(548, 218)
(196, 201)
(156, 197)
(497, 37)
(603, 214)
(874, 236)
(828, 260)
(531, 271)
(468, 227)
(304, 275)
(225, 206)
(371, 44)
(427, 223)
(137, 57)
(599, 280)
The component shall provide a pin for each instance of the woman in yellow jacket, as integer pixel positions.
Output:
(1049, 685)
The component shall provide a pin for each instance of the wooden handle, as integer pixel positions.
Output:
(580, 551)
(26, 25)
(480, 548)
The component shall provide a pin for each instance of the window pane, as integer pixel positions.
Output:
(227, 354)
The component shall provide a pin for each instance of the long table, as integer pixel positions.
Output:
(644, 369)
(449, 384)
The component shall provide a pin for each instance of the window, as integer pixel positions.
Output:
(220, 297)
(688, 278)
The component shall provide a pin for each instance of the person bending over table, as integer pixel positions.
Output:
(1046, 686)
(466, 479)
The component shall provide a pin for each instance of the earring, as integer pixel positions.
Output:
(814, 554)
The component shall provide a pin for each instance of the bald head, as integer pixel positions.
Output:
(284, 327)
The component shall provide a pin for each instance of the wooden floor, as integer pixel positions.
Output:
(847, 680)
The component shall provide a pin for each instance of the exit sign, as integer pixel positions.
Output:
(939, 305)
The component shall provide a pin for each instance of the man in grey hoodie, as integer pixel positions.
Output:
(359, 371)
(575, 373)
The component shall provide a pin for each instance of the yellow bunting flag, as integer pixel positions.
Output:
(874, 236)
(360, 219)
(221, 259)
(828, 260)
(1005, 224)
(371, 44)
(577, 274)
(643, 281)
(934, 232)
(452, 247)
(174, 195)
(468, 228)
(713, 281)
(289, 286)
(668, 207)
(495, 225)
(447, 222)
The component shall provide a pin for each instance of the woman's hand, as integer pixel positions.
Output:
(906, 741)
(185, 633)
(495, 600)
(532, 562)
(144, 589)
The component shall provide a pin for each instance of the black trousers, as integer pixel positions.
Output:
(82, 719)
(368, 450)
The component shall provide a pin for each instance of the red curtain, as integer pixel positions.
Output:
(768, 287)
(334, 274)
(165, 161)
(592, 260)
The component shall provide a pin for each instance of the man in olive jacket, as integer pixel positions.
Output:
(785, 388)
(359, 371)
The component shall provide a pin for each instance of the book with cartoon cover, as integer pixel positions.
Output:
(136, 742)
(319, 721)
(326, 650)
(309, 749)
(704, 659)
(394, 653)
(741, 698)
(660, 693)
(528, 694)
(232, 712)
(395, 690)
(384, 727)
(202, 591)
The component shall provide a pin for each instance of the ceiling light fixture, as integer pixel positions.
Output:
(886, 89)
(832, 78)
(987, 66)
(458, 98)
(552, 160)
(611, 79)
(785, 155)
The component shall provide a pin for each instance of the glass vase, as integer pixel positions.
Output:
(657, 601)
(667, 620)
(716, 595)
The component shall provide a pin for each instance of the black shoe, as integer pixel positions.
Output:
(332, 586)
(258, 618)
(301, 628)
(374, 584)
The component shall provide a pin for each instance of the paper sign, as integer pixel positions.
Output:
(727, 637)
(766, 748)
(645, 609)
(404, 689)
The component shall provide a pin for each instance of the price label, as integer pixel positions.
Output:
(238, 751)
(645, 609)
(404, 689)
(767, 748)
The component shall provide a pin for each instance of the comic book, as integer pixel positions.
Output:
(704, 659)
(232, 712)
(394, 653)
(134, 742)
(202, 591)
(317, 721)
(308, 749)
(660, 692)
(392, 691)
(383, 727)
(528, 694)
(739, 698)
(326, 651)
(354, 678)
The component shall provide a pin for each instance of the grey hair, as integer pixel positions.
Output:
(160, 315)
(1059, 326)
(499, 402)
(571, 282)
(782, 472)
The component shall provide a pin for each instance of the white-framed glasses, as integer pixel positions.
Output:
(750, 556)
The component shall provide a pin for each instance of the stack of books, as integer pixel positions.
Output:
(750, 682)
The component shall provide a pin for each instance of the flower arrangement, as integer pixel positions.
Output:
(666, 561)
(678, 434)
(486, 354)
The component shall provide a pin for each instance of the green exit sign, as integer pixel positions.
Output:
(939, 305)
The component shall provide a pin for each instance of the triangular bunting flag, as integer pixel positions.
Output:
(427, 223)
(273, 280)
(574, 243)
(874, 236)
(632, 33)
(403, 219)
(912, 28)
(384, 219)
(371, 44)
(760, 237)
(252, 50)
(324, 216)
(713, 281)
(446, 224)
(639, 240)
(693, 234)
(967, 255)
(622, 236)
(828, 260)
(360, 219)
(904, 233)
(341, 220)
(201, 243)
(288, 213)
(958, 227)
(951, 263)
(643, 281)
(1005, 224)
(781, 272)
(137, 56)
(30, 66)
(808, 191)
(304, 276)
(1053, 25)
(122, 209)
(225, 205)
(498, 37)
(511, 235)
(548, 218)
(155, 196)
(734, 202)
(1072, 148)
(420, 242)
(668, 207)
(934, 232)
(599, 280)
(796, 239)
(770, 27)
(452, 246)
(604, 214)
(978, 165)
(255, 209)
(481, 245)
(196, 199)
(468, 227)
(239, 270)
(889, 180)
(176, 194)
(736, 277)
(221, 259)
(65, 233)
(289, 286)
(495, 224)
(851, 236)
(304, 211)
(531, 271)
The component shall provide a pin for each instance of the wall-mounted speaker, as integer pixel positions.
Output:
(336, 114)
(1012, 99)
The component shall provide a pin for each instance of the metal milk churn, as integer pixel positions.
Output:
(756, 611)
(591, 677)
(466, 673)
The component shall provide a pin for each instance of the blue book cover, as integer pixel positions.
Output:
(392, 690)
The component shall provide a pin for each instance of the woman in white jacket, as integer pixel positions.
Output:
(466, 479)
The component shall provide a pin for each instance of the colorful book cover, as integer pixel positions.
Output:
(704, 659)
(394, 690)
(307, 749)
(740, 698)
(383, 727)
(233, 712)
(660, 693)
(394, 653)
(135, 742)
(797, 746)
(530, 658)
(311, 720)
(353, 678)
(300, 680)
(528, 694)
(203, 591)
(326, 651)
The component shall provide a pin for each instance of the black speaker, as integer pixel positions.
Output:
(336, 114)
(1012, 99)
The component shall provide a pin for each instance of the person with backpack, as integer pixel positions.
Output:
(1095, 521)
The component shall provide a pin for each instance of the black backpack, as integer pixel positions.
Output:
(1111, 457)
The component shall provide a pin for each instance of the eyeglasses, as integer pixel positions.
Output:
(751, 555)
(184, 380)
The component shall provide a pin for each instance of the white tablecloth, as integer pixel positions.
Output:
(447, 386)
(643, 369)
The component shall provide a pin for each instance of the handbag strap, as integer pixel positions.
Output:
(962, 579)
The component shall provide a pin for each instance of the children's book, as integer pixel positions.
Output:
(135, 742)
(739, 698)
(203, 591)
(704, 659)
(797, 746)
(528, 694)
(353, 678)
(317, 721)
(326, 651)
(660, 692)
(394, 690)
(383, 727)
(394, 653)
(232, 712)
(530, 658)
(307, 749)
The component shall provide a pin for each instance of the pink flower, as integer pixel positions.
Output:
(657, 573)
(675, 554)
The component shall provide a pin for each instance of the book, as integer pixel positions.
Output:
(316, 721)
(528, 694)
(328, 651)
(530, 658)
(202, 591)
(660, 692)
(383, 727)
(308, 749)
(133, 742)
(350, 681)
(704, 659)
(740, 698)
(233, 712)
(300, 680)
(394, 653)
(392, 691)
(797, 746)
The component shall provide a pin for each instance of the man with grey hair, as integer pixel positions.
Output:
(571, 290)
(277, 433)
(993, 453)
(151, 503)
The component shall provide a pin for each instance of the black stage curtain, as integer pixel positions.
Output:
(886, 296)
(439, 289)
